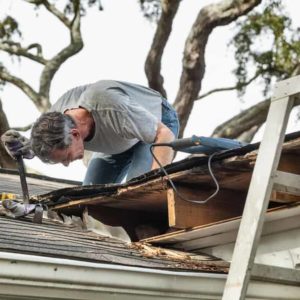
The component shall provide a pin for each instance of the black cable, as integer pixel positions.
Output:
(172, 183)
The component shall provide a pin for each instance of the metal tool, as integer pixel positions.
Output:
(207, 145)
(38, 212)
(23, 179)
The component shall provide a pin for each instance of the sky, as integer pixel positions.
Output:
(117, 41)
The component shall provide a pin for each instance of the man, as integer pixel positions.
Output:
(116, 120)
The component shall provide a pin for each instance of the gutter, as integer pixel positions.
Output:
(34, 277)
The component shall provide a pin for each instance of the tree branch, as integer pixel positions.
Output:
(16, 49)
(41, 98)
(248, 135)
(163, 31)
(54, 63)
(228, 88)
(23, 86)
(36, 46)
(209, 17)
(248, 119)
(51, 8)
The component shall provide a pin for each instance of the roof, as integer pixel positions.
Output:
(37, 184)
(34, 277)
(145, 201)
(150, 198)
(61, 241)
(54, 239)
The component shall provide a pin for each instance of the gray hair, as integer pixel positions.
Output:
(51, 131)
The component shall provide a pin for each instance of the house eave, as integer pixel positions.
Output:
(35, 277)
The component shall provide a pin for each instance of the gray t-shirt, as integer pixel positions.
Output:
(124, 113)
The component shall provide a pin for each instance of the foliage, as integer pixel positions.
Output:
(279, 60)
(151, 9)
(84, 4)
(9, 29)
(68, 13)
(70, 6)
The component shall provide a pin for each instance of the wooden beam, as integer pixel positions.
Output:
(288, 180)
(182, 214)
(284, 197)
(289, 162)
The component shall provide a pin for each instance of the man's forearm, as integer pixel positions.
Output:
(163, 154)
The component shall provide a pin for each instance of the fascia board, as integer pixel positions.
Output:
(33, 277)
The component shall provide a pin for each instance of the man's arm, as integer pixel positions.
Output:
(162, 153)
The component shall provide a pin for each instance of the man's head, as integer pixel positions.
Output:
(56, 139)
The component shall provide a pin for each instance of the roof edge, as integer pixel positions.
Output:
(27, 276)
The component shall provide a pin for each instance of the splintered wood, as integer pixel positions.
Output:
(232, 173)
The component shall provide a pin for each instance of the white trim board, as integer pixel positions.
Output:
(224, 232)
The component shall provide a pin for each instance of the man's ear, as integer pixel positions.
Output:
(75, 132)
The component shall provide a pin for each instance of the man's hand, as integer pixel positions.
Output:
(16, 144)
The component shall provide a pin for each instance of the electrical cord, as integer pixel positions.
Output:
(172, 183)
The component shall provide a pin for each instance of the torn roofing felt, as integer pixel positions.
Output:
(66, 195)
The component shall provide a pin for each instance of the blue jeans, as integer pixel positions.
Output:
(106, 168)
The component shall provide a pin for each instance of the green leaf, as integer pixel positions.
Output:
(266, 43)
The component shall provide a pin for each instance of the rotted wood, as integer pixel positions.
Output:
(61, 241)
(233, 173)
(149, 196)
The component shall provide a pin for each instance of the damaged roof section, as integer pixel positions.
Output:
(148, 207)
(152, 195)
(61, 241)
(233, 169)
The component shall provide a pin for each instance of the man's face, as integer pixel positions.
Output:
(73, 152)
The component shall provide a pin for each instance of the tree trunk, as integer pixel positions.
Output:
(40, 97)
(244, 125)
(163, 30)
(209, 17)
(5, 160)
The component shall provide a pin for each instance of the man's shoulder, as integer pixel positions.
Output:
(69, 98)
(101, 93)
